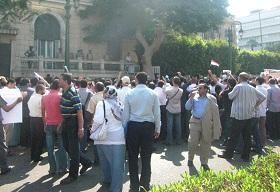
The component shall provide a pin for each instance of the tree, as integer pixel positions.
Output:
(274, 47)
(12, 10)
(252, 43)
(149, 20)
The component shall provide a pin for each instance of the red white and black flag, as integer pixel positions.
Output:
(215, 63)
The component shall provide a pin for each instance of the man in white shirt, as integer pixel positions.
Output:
(36, 123)
(160, 92)
(261, 111)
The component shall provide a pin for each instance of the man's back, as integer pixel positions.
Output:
(51, 104)
(142, 104)
(245, 98)
(273, 98)
(141, 101)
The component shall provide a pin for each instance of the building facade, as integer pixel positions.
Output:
(261, 29)
(38, 45)
(226, 31)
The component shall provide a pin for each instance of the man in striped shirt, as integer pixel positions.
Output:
(245, 100)
(72, 128)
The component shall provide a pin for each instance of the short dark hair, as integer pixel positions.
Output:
(24, 81)
(260, 80)
(272, 81)
(55, 85)
(83, 83)
(39, 87)
(67, 77)
(33, 82)
(176, 80)
(232, 82)
(11, 81)
(99, 86)
(205, 86)
(142, 77)
(107, 83)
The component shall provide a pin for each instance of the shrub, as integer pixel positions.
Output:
(192, 54)
(263, 175)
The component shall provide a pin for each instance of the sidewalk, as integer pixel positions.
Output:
(168, 163)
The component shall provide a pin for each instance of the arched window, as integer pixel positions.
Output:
(47, 36)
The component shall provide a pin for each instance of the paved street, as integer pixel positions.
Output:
(168, 163)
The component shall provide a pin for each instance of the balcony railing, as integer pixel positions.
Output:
(78, 67)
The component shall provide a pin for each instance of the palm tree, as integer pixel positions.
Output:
(13, 10)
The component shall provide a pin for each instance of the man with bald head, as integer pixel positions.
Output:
(245, 99)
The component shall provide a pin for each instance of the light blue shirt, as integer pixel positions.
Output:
(142, 104)
(197, 105)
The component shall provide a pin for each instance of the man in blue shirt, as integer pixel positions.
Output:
(204, 124)
(142, 117)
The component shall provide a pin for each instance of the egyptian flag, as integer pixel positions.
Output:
(214, 63)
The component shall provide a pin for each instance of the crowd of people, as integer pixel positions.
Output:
(62, 115)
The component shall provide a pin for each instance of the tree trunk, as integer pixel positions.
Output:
(147, 64)
(149, 50)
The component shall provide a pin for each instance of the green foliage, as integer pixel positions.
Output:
(256, 61)
(262, 175)
(121, 18)
(192, 54)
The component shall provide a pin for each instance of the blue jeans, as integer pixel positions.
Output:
(112, 158)
(57, 160)
(171, 117)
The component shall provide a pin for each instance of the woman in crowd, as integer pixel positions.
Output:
(111, 151)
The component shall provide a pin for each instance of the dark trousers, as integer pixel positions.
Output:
(37, 137)
(163, 122)
(25, 135)
(140, 139)
(273, 124)
(3, 148)
(243, 127)
(71, 144)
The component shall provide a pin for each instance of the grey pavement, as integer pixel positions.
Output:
(168, 164)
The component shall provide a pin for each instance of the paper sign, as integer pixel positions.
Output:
(10, 96)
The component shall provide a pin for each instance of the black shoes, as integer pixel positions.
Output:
(85, 168)
(205, 167)
(224, 156)
(190, 163)
(5, 171)
(67, 180)
(37, 160)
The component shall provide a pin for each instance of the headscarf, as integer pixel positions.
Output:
(110, 96)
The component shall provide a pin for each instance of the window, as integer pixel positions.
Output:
(47, 36)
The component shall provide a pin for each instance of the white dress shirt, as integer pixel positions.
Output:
(261, 111)
(142, 104)
(161, 95)
(34, 105)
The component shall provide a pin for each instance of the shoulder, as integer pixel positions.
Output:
(212, 98)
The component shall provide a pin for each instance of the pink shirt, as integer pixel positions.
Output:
(51, 103)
